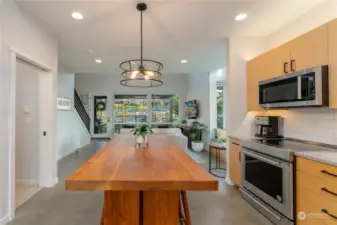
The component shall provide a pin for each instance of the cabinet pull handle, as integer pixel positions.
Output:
(329, 214)
(285, 67)
(328, 191)
(292, 65)
(328, 173)
(235, 143)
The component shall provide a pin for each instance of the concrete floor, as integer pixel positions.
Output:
(55, 206)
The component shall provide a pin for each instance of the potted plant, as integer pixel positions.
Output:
(141, 133)
(196, 131)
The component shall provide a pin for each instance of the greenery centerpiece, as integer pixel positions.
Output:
(141, 133)
(196, 135)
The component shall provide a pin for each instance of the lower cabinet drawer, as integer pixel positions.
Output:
(317, 169)
(309, 208)
(325, 187)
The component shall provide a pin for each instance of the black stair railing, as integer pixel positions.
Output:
(81, 110)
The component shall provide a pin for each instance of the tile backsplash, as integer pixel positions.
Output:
(313, 124)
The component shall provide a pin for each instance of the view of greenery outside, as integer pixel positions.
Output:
(165, 108)
(130, 109)
(219, 102)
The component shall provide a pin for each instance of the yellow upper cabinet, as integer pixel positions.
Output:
(256, 71)
(309, 49)
(278, 61)
(317, 47)
(332, 43)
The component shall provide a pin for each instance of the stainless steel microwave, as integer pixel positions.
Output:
(305, 88)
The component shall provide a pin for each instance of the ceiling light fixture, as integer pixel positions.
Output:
(77, 15)
(98, 61)
(183, 61)
(141, 72)
(241, 16)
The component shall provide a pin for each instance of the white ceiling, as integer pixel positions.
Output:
(195, 30)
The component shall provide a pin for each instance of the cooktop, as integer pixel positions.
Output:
(282, 148)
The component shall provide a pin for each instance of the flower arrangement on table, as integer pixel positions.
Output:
(141, 133)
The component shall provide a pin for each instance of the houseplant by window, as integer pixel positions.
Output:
(141, 133)
(196, 132)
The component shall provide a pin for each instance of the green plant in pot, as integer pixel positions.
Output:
(196, 133)
(141, 133)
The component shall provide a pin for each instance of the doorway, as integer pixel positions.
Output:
(38, 116)
(26, 132)
(101, 109)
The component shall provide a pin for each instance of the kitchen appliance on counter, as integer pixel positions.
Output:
(305, 88)
(269, 126)
(267, 167)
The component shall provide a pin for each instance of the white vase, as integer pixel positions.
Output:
(140, 139)
(197, 146)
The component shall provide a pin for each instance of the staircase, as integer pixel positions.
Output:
(81, 110)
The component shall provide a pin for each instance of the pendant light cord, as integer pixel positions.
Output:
(141, 38)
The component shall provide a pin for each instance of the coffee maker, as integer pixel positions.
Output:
(269, 126)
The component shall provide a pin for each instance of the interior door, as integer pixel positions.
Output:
(101, 115)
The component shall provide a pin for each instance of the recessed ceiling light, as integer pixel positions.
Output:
(98, 61)
(241, 16)
(183, 61)
(77, 15)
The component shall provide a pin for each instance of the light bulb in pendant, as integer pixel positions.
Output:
(149, 73)
(146, 77)
(134, 74)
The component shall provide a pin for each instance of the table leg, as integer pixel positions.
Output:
(121, 207)
(209, 160)
(160, 207)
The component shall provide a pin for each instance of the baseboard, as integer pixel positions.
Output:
(27, 181)
(229, 182)
(4, 220)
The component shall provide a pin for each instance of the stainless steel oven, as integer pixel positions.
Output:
(268, 183)
(305, 88)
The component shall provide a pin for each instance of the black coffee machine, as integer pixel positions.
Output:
(269, 126)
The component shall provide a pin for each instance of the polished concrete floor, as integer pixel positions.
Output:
(55, 206)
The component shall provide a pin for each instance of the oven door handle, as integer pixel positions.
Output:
(272, 162)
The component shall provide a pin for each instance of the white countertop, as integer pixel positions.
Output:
(320, 156)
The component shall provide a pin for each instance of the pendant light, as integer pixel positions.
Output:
(141, 72)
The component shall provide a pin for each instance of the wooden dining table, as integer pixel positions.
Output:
(141, 184)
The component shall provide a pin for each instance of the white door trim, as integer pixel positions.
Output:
(51, 163)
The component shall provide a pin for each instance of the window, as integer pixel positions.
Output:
(165, 108)
(219, 104)
(130, 109)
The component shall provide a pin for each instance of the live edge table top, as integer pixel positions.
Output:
(120, 166)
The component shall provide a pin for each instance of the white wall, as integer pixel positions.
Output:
(72, 133)
(173, 84)
(314, 18)
(27, 126)
(199, 89)
(240, 51)
(20, 31)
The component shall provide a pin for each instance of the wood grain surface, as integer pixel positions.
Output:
(161, 207)
(121, 207)
(120, 166)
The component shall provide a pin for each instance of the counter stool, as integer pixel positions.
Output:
(184, 218)
(218, 150)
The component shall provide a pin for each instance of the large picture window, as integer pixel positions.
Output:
(130, 109)
(165, 108)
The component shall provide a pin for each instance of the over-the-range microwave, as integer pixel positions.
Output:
(305, 88)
